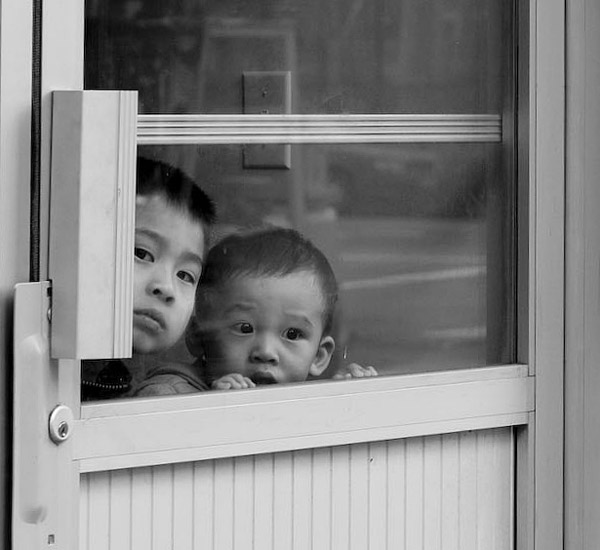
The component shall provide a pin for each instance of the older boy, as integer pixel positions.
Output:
(265, 307)
(173, 216)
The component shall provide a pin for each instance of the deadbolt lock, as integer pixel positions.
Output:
(60, 424)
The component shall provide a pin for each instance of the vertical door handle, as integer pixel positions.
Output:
(92, 223)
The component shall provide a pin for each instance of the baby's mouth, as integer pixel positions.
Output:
(263, 378)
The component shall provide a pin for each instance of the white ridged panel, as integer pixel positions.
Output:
(428, 493)
(223, 518)
(263, 501)
(301, 499)
(183, 513)
(468, 491)
(396, 493)
(282, 501)
(340, 495)
(288, 128)
(141, 509)
(203, 481)
(243, 502)
(120, 519)
(432, 491)
(359, 495)
(321, 498)
(451, 494)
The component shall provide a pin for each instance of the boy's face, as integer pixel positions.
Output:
(169, 247)
(268, 329)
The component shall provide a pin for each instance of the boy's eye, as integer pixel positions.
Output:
(293, 334)
(143, 254)
(186, 277)
(243, 328)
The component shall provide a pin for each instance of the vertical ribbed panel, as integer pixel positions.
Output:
(125, 222)
(439, 492)
(92, 223)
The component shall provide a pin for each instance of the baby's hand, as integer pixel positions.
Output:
(233, 381)
(354, 370)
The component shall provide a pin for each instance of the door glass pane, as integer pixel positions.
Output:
(421, 236)
(344, 56)
(417, 235)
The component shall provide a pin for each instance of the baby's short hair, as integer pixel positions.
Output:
(155, 177)
(271, 252)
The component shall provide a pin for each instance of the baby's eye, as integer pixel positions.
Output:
(186, 277)
(244, 328)
(293, 334)
(143, 254)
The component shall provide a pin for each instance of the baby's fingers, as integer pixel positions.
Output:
(354, 370)
(233, 382)
(358, 371)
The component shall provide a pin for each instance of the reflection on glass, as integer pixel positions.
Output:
(345, 56)
(418, 235)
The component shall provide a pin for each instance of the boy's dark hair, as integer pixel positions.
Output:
(155, 177)
(272, 252)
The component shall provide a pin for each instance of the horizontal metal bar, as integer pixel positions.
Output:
(220, 424)
(241, 129)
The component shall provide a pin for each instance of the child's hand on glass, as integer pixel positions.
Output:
(232, 381)
(354, 370)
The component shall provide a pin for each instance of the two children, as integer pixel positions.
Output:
(264, 310)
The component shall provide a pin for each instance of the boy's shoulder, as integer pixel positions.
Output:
(174, 378)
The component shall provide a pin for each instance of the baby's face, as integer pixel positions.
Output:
(268, 329)
(169, 246)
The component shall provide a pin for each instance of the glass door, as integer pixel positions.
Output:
(397, 137)
(381, 138)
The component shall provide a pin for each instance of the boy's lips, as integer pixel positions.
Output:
(151, 319)
(263, 378)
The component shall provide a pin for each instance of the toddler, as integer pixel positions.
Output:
(265, 308)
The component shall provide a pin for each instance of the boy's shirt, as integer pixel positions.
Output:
(104, 379)
(170, 379)
(110, 379)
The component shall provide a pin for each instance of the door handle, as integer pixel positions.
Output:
(31, 495)
(92, 209)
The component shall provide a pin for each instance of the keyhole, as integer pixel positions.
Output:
(63, 430)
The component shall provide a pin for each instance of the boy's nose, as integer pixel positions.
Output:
(264, 350)
(162, 288)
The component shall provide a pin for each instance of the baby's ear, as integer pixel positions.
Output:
(323, 356)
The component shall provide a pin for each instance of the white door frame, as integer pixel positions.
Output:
(15, 167)
(63, 68)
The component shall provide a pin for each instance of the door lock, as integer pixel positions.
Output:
(60, 424)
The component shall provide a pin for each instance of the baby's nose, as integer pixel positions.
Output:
(264, 350)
